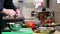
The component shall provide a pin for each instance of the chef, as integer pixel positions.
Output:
(8, 8)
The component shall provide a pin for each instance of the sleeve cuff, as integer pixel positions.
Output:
(1, 9)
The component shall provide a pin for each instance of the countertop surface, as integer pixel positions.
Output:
(56, 32)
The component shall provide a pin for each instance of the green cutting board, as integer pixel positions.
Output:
(21, 31)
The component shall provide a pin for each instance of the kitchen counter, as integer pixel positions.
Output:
(56, 32)
(36, 33)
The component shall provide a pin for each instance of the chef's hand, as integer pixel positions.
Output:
(9, 12)
(17, 13)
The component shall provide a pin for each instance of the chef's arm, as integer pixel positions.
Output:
(9, 5)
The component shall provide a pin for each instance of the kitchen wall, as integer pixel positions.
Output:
(56, 7)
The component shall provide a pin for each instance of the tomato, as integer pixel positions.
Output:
(31, 24)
